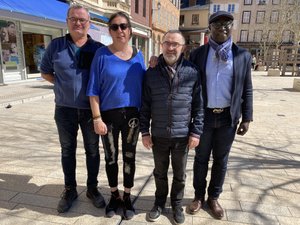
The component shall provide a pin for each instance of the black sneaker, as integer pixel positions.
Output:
(178, 215)
(128, 210)
(96, 197)
(155, 213)
(113, 205)
(67, 198)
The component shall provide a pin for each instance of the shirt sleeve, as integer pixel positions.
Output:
(93, 84)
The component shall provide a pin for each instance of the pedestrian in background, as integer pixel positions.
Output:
(115, 88)
(225, 71)
(66, 64)
(172, 103)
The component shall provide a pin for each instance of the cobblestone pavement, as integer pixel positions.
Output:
(261, 187)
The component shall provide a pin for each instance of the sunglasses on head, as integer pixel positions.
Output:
(115, 27)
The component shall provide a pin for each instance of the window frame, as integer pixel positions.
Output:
(243, 16)
(194, 18)
(263, 17)
(256, 32)
(242, 35)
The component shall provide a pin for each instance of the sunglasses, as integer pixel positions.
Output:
(115, 27)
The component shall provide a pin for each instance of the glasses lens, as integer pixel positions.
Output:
(171, 44)
(74, 20)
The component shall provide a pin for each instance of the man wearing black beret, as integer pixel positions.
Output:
(225, 71)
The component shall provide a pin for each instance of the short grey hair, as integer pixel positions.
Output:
(174, 32)
(77, 6)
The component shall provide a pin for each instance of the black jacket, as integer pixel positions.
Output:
(241, 93)
(174, 106)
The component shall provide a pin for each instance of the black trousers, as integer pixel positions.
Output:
(162, 149)
(124, 121)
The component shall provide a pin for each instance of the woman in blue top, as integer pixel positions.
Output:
(114, 88)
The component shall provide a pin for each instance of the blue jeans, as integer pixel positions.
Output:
(217, 138)
(162, 149)
(68, 121)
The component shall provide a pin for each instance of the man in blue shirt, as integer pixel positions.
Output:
(225, 71)
(66, 64)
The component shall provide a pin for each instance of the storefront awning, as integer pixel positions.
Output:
(46, 9)
(97, 16)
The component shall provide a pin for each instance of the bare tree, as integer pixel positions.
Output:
(281, 25)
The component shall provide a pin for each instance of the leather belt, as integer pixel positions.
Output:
(218, 110)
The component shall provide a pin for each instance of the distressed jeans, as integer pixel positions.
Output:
(124, 121)
(163, 149)
(217, 138)
(68, 121)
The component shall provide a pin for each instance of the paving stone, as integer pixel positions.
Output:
(6, 195)
(295, 210)
(92, 220)
(251, 217)
(265, 209)
(35, 200)
(284, 220)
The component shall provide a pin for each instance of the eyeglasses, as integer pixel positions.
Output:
(171, 44)
(74, 20)
(115, 27)
(226, 25)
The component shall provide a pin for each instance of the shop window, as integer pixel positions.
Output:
(34, 47)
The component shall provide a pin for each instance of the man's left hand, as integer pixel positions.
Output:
(193, 142)
(243, 128)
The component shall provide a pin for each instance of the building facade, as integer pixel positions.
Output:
(141, 30)
(193, 23)
(271, 23)
(164, 17)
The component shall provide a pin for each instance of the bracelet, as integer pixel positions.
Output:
(96, 117)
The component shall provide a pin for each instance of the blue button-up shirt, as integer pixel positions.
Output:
(219, 75)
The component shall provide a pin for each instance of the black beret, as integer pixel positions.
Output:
(214, 17)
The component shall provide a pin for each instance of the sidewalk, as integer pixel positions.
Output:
(261, 187)
(25, 91)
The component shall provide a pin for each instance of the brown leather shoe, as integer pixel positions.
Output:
(215, 208)
(196, 205)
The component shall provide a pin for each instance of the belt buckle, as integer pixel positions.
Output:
(218, 110)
